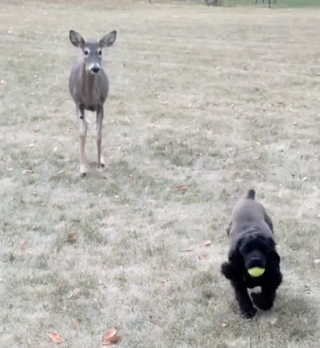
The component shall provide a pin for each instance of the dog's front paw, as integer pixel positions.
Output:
(249, 313)
(262, 302)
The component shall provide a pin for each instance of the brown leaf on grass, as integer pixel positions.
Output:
(75, 326)
(55, 337)
(182, 188)
(27, 171)
(203, 256)
(112, 340)
(73, 293)
(273, 321)
(207, 243)
(111, 337)
(162, 282)
(72, 237)
(110, 333)
(186, 250)
(57, 175)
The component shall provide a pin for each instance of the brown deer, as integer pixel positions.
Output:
(89, 88)
(274, 1)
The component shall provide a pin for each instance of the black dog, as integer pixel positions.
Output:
(252, 245)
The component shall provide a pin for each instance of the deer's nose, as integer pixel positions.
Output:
(95, 69)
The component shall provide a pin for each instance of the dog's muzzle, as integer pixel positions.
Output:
(255, 262)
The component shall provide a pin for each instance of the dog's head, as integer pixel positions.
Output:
(257, 250)
(254, 250)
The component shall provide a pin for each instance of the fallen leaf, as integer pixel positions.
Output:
(31, 146)
(75, 326)
(111, 337)
(207, 243)
(72, 237)
(27, 171)
(304, 179)
(186, 250)
(112, 340)
(56, 175)
(55, 337)
(110, 333)
(73, 293)
(203, 256)
(273, 321)
(182, 188)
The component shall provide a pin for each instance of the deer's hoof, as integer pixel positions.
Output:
(100, 168)
(83, 170)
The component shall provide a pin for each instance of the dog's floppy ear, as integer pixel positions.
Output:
(273, 256)
(234, 254)
(232, 268)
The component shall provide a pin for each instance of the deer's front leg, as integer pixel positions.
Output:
(83, 126)
(100, 114)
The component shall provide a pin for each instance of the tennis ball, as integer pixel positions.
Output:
(256, 271)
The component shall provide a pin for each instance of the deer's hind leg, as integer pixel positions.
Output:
(100, 115)
(83, 127)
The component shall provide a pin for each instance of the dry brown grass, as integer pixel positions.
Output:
(218, 101)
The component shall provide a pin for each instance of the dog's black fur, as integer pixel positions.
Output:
(252, 244)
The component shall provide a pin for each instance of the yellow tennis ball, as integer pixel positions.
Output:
(256, 271)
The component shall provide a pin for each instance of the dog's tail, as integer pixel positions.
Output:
(251, 194)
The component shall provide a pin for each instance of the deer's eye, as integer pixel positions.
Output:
(99, 52)
(86, 52)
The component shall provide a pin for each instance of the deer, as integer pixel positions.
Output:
(275, 1)
(89, 89)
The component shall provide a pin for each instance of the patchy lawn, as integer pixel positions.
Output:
(216, 101)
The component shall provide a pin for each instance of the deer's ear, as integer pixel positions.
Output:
(76, 39)
(109, 39)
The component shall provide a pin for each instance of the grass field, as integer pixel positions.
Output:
(279, 3)
(216, 101)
